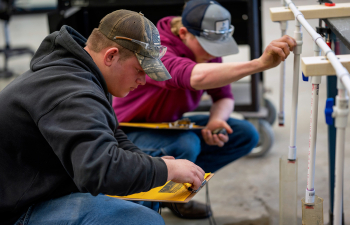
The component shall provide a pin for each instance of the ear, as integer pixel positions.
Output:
(111, 55)
(183, 32)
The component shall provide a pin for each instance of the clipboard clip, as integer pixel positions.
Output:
(195, 191)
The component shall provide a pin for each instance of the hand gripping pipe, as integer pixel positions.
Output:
(310, 189)
(298, 35)
(340, 113)
(341, 72)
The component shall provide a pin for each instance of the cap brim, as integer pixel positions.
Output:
(219, 48)
(154, 68)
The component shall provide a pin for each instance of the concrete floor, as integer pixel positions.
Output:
(246, 191)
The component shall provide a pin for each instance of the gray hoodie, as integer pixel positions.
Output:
(58, 133)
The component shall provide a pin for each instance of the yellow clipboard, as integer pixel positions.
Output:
(159, 126)
(169, 192)
(182, 124)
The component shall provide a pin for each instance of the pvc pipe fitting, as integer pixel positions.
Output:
(310, 196)
(292, 153)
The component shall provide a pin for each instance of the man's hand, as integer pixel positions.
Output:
(184, 171)
(168, 157)
(214, 139)
(277, 51)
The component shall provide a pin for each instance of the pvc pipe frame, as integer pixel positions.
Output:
(340, 113)
(340, 70)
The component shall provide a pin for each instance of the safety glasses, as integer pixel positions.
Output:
(219, 35)
(148, 50)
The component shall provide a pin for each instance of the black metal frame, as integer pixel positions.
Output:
(5, 13)
(247, 31)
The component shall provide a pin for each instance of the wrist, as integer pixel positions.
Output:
(169, 166)
(259, 65)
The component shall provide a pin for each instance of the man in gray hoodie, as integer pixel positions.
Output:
(60, 146)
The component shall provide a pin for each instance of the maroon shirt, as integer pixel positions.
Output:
(167, 101)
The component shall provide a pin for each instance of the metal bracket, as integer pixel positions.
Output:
(323, 31)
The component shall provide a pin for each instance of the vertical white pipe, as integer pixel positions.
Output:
(298, 35)
(310, 187)
(283, 25)
(341, 111)
(312, 142)
(339, 175)
(296, 66)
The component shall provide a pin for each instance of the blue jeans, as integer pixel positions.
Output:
(191, 146)
(83, 208)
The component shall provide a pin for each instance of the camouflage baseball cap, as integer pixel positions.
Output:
(135, 32)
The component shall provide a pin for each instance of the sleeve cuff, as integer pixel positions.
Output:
(161, 172)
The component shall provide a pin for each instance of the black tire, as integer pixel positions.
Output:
(272, 114)
(266, 139)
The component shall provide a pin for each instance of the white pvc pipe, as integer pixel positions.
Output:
(341, 112)
(310, 189)
(312, 142)
(283, 25)
(298, 35)
(341, 72)
(339, 174)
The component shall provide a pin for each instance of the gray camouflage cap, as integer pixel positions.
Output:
(135, 32)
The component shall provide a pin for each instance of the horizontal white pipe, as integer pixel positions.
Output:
(341, 72)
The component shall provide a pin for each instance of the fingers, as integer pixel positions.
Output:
(214, 139)
(279, 52)
(206, 133)
(285, 48)
(201, 172)
(184, 171)
(167, 157)
(228, 128)
(223, 138)
(217, 141)
(207, 136)
(289, 40)
(196, 183)
(199, 177)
